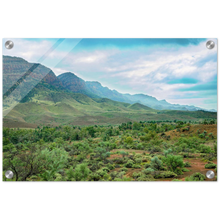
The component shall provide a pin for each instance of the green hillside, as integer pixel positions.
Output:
(138, 106)
(45, 99)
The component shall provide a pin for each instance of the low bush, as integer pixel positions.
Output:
(179, 171)
(173, 163)
(138, 160)
(210, 166)
(196, 177)
(145, 178)
(123, 169)
(155, 149)
(185, 170)
(148, 171)
(110, 166)
(136, 166)
(156, 163)
(129, 164)
(204, 149)
(164, 174)
(147, 165)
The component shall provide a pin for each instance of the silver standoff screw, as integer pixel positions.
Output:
(210, 44)
(9, 174)
(9, 44)
(210, 174)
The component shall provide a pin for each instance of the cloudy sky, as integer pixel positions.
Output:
(181, 71)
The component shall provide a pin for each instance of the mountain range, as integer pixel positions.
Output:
(95, 89)
(67, 99)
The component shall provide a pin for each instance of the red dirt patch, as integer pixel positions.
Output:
(131, 151)
(114, 156)
(193, 130)
(130, 172)
(197, 165)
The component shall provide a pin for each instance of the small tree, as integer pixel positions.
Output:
(173, 162)
(129, 164)
(129, 140)
(123, 153)
(81, 172)
(156, 163)
(54, 161)
(167, 152)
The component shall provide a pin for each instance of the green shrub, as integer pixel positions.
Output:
(129, 164)
(145, 178)
(120, 174)
(110, 166)
(101, 172)
(138, 155)
(136, 175)
(202, 135)
(210, 166)
(166, 152)
(123, 153)
(113, 174)
(146, 159)
(9, 147)
(139, 147)
(204, 149)
(173, 162)
(123, 169)
(148, 171)
(196, 177)
(136, 166)
(105, 169)
(164, 174)
(179, 171)
(156, 163)
(183, 154)
(129, 140)
(138, 160)
(185, 170)
(147, 165)
(155, 149)
(118, 161)
(187, 164)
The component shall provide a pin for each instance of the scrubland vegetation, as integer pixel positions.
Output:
(133, 151)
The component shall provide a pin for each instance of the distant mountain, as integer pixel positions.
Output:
(104, 92)
(152, 102)
(34, 96)
(75, 84)
(22, 79)
(15, 68)
(51, 79)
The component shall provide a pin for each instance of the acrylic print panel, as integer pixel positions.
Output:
(110, 109)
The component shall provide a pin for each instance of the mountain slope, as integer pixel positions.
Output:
(75, 84)
(104, 92)
(47, 100)
(138, 106)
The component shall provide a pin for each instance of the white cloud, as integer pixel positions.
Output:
(29, 50)
(134, 71)
(198, 102)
